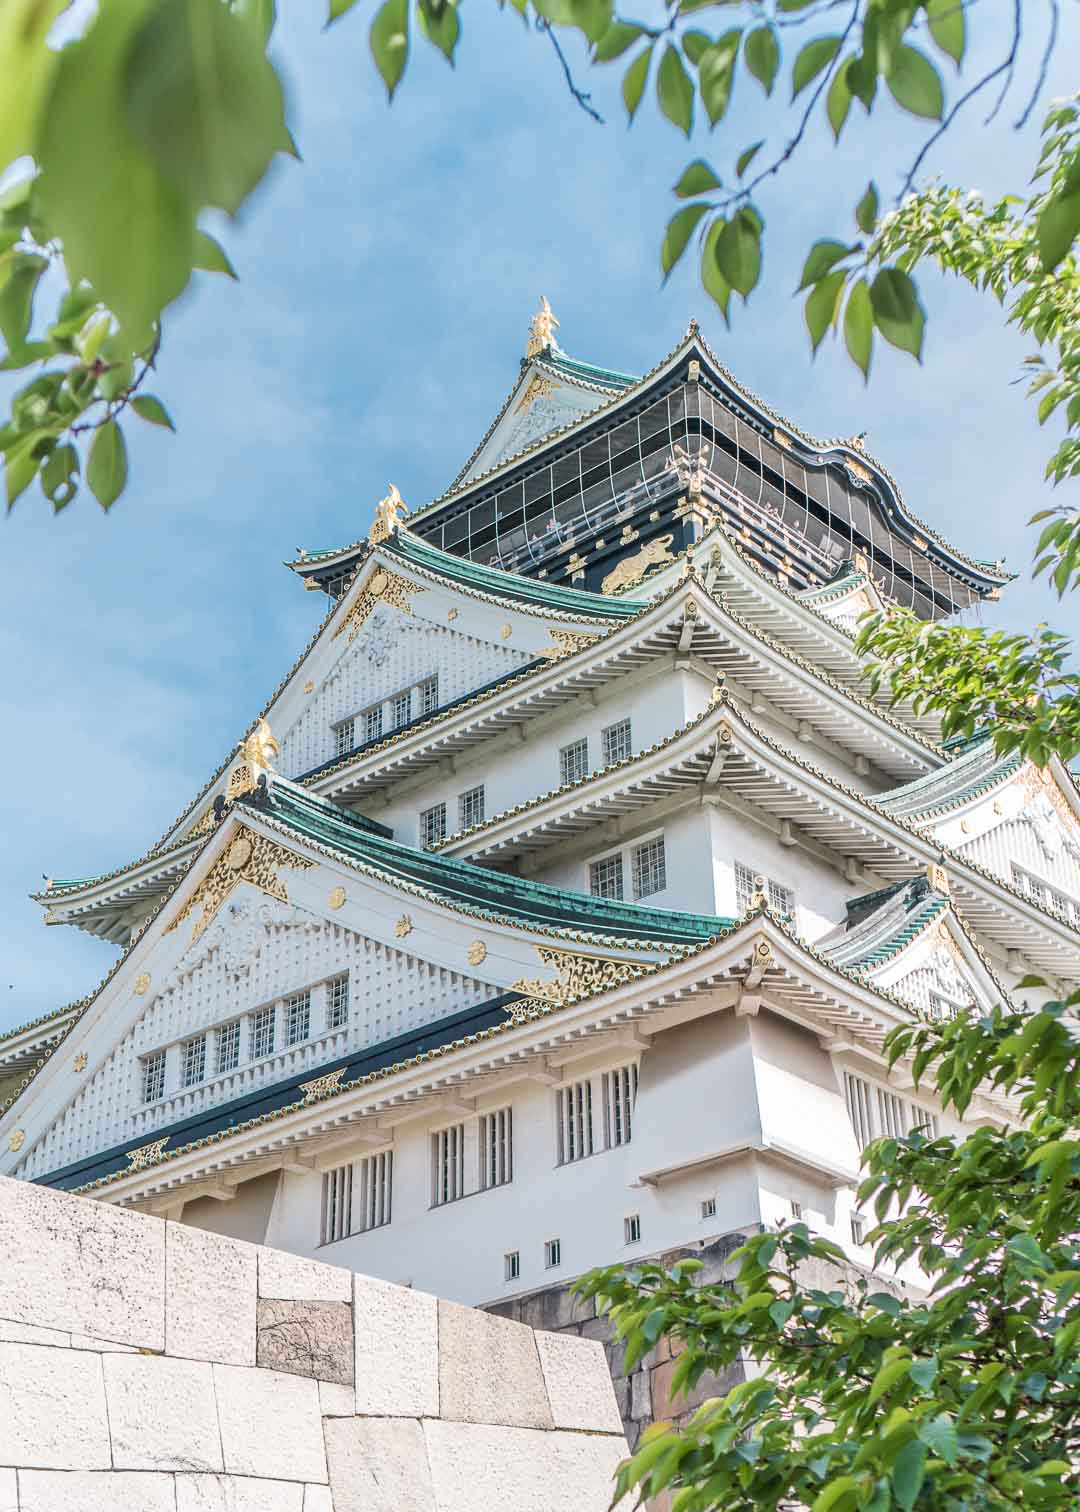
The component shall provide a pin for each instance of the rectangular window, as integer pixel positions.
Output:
(708, 1207)
(1041, 892)
(574, 1105)
(432, 825)
(401, 709)
(890, 1115)
(153, 1068)
(428, 693)
(471, 808)
(632, 1229)
(337, 1187)
(649, 867)
(194, 1060)
(781, 899)
(372, 1190)
(605, 877)
(857, 1097)
(858, 1229)
(512, 1265)
(263, 1035)
(228, 1046)
(923, 1122)
(343, 737)
(337, 1003)
(615, 742)
(574, 762)
(496, 1148)
(620, 1089)
(297, 1018)
(448, 1165)
(552, 1253)
(796, 1209)
(372, 720)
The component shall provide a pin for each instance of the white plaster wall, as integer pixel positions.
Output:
(821, 892)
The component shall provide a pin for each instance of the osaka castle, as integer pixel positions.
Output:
(556, 906)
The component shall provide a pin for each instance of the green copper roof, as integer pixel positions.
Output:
(573, 368)
(845, 580)
(881, 924)
(463, 885)
(964, 778)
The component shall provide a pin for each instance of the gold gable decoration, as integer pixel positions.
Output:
(632, 570)
(249, 858)
(147, 1154)
(576, 976)
(539, 388)
(382, 587)
(1041, 782)
(322, 1086)
(565, 643)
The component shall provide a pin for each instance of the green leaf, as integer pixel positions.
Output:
(633, 84)
(746, 157)
(389, 38)
(338, 8)
(210, 256)
(148, 408)
(738, 251)
(898, 314)
(821, 305)
(20, 466)
(59, 476)
(675, 89)
(716, 71)
(915, 83)
(838, 100)
(908, 1473)
(697, 178)
(26, 67)
(712, 280)
(106, 468)
(859, 326)
(832, 1493)
(762, 56)
(866, 210)
(939, 1436)
(680, 228)
(441, 25)
(23, 270)
(1059, 226)
(948, 26)
(619, 36)
(694, 45)
(812, 58)
(820, 258)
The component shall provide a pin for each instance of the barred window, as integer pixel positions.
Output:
(297, 1017)
(781, 898)
(153, 1069)
(337, 1003)
(496, 1148)
(923, 1122)
(857, 1097)
(373, 1189)
(649, 867)
(194, 1060)
(1041, 892)
(616, 743)
(448, 1165)
(432, 825)
(372, 722)
(575, 1131)
(228, 1046)
(471, 808)
(428, 691)
(337, 1189)
(890, 1114)
(605, 877)
(619, 1091)
(401, 709)
(574, 762)
(263, 1036)
(343, 737)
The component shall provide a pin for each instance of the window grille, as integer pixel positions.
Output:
(228, 1046)
(552, 1253)
(890, 1114)
(575, 1122)
(263, 1036)
(343, 737)
(512, 1265)
(372, 722)
(337, 1003)
(1041, 892)
(858, 1229)
(620, 1090)
(432, 825)
(194, 1060)
(574, 762)
(401, 709)
(857, 1097)
(373, 1187)
(923, 1122)
(605, 877)
(471, 808)
(616, 742)
(632, 1229)
(781, 898)
(448, 1165)
(796, 1209)
(154, 1077)
(649, 867)
(297, 1017)
(708, 1207)
(337, 1189)
(496, 1148)
(428, 691)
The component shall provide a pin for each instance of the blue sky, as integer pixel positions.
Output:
(386, 287)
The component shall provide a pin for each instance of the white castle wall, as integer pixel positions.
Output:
(150, 1367)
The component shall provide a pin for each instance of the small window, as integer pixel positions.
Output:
(923, 1122)
(552, 1253)
(343, 737)
(263, 1036)
(337, 1003)
(195, 1060)
(858, 1229)
(632, 1229)
(154, 1077)
(890, 1114)
(401, 709)
(857, 1097)
(616, 743)
(619, 1091)
(796, 1209)
(496, 1148)
(471, 808)
(228, 1046)
(512, 1265)
(372, 720)
(428, 693)
(372, 1190)
(575, 1134)
(708, 1208)
(574, 762)
(297, 1018)
(649, 866)
(747, 883)
(448, 1165)
(337, 1186)
(606, 878)
(432, 825)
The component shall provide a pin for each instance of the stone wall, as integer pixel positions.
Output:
(150, 1367)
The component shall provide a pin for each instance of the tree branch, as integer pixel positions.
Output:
(583, 99)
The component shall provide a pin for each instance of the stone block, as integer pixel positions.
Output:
(336, 1401)
(270, 1424)
(477, 1466)
(318, 1499)
(709, 1385)
(379, 1465)
(81, 1266)
(210, 1295)
(397, 1350)
(291, 1278)
(9, 1492)
(25, 1333)
(578, 1383)
(52, 1409)
(100, 1346)
(95, 1491)
(162, 1413)
(232, 1493)
(640, 1400)
(479, 1356)
(307, 1338)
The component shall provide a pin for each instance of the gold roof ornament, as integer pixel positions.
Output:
(256, 754)
(386, 519)
(542, 329)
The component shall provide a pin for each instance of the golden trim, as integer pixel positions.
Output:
(565, 643)
(632, 570)
(322, 1086)
(539, 388)
(938, 878)
(451, 615)
(336, 898)
(382, 587)
(477, 953)
(145, 1155)
(141, 984)
(576, 976)
(403, 926)
(16, 1140)
(79, 1063)
(250, 858)
(309, 686)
